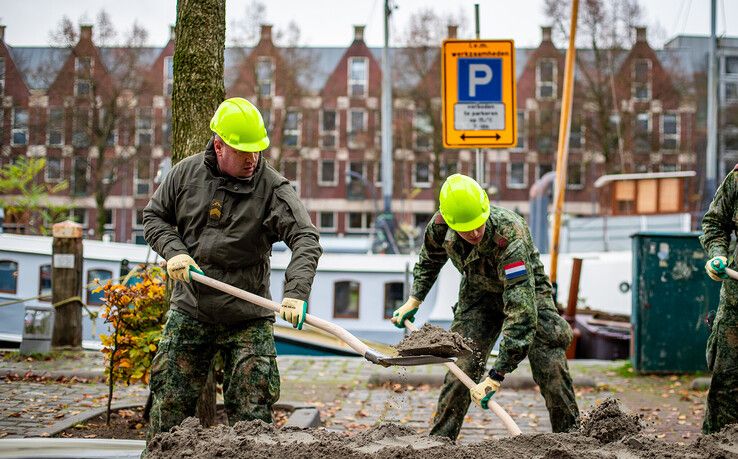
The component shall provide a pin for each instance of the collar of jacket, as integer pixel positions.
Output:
(227, 182)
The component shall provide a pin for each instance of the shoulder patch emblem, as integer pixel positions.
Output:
(515, 270)
(439, 219)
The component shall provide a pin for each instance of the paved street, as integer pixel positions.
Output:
(353, 394)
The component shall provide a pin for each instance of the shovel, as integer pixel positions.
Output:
(731, 273)
(335, 330)
(499, 411)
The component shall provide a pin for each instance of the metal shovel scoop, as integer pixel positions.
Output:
(335, 330)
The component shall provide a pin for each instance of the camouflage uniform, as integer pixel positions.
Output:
(722, 345)
(493, 301)
(228, 226)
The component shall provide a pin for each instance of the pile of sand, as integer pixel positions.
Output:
(607, 432)
(432, 340)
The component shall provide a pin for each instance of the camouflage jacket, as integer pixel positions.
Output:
(228, 226)
(504, 263)
(721, 218)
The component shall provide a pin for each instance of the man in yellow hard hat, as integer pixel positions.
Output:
(219, 212)
(504, 291)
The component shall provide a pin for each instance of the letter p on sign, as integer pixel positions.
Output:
(480, 80)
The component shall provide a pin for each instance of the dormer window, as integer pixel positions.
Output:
(358, 76)
(82, 76)
(642, 79)
(546, 79)
(265, 76)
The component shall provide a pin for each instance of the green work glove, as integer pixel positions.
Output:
(482, 392)
(715, 268)
(293, 311)
(406, 312)
(179, 267)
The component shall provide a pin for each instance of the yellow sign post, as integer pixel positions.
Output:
(478, 87)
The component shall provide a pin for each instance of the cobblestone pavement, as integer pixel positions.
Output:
(339, 387)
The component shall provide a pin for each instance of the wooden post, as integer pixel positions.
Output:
(66, 284)
(571, 306)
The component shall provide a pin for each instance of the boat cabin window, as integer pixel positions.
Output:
(346, 300)
(394, 297)
(102, 275)
(8, 276)
(44, 282)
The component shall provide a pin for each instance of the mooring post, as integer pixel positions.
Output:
(66, 284)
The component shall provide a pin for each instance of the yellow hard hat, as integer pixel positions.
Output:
(239, 123)
(464, 204)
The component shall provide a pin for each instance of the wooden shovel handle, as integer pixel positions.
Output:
(333, 329)
(731, 273)
(495, 407)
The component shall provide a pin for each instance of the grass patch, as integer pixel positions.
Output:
(16, 356)
(626, 370)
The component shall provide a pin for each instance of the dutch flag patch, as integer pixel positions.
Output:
(515, 270)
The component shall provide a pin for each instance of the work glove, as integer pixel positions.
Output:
(293, 311)
(482, 392)
(406, 311)
(715, 268)
(179, 267)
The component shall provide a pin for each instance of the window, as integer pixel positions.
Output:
(517, 175)
(357, 128)
(20, 126)
(423, 130)
(576, 134)
(144, 126)
(669, 168)
(642, 137)
(521, 130)
(54, 169)
(328, 176)
(357, 76)
(328, 129)
(394, 297)
(422, 220)
(166, 129)
(168, 76)
(545, 131)
(8, 276)
(138, 236)
(95, 278)
(731, 65)
(83, 76)
(44, 282)
(2, 76)
(449, 168)
(575, 176)
(266, 115)
(291, 171)
(125, 125)
(669, 131)
(359, 221)
(78, 215)
(292, 128)
(731, 92)
(346, 300)
(327, 221)
(543, 169)
(264, 76)
(641, 89)
(546, 79)
(355, 176)
(142, 179)
(79, 176)
(730, 138)
(421, 174)
(109, 221)
(81, 133)
(55, 127)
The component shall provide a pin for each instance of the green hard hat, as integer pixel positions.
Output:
(239, 123)
(464, 204)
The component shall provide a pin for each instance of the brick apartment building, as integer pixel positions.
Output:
(322, 107)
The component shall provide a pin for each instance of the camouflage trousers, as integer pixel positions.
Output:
(183, 360)
(722, 360)
(482, 324)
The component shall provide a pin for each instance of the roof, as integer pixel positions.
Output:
(605, 179)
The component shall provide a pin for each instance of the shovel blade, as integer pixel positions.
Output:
(414, 360)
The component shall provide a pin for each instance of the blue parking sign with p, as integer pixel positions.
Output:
(480, 80)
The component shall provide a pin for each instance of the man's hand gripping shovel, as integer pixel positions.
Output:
(500, 412)
(335, 330)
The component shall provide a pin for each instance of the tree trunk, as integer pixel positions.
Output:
(198, 73)
(66, 284)
(198, 90)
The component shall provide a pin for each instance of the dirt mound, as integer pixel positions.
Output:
(594, 441)
(432, 340)
(608, 423)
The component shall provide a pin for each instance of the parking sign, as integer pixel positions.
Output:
(479, 94)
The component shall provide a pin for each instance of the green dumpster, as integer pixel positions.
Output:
(672, 297)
